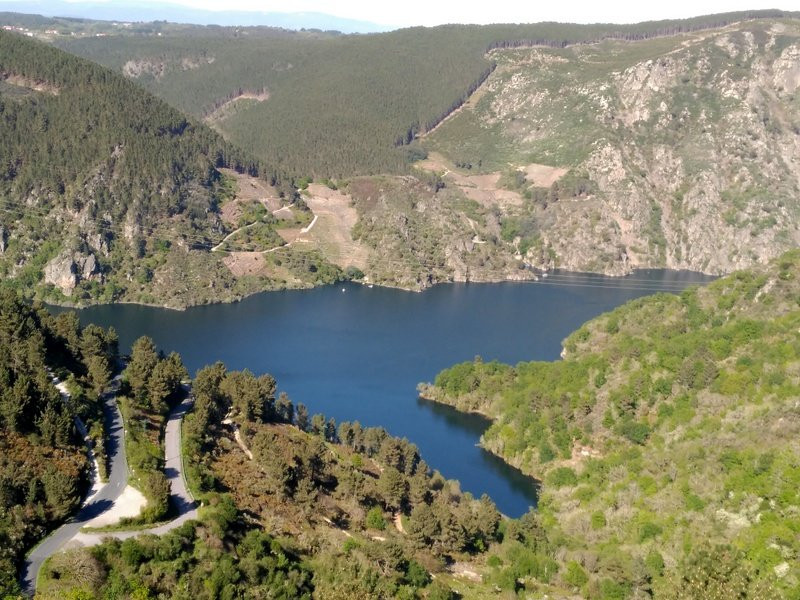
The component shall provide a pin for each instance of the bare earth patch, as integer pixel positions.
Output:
(544, 175)
(224, 109)
(31, 84)
(245, 263)
(249, 189)
(484, 188)
(329, 230)
(335, 218)
(290, 234)
(464, 570)
(129, 504)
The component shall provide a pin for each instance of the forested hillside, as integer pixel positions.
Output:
(504, 148)
(594, 148)
(338, 105)
(294, 506)
(108, 192)
(43, 466)
(665, 439)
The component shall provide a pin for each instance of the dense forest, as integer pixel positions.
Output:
(665, 439)
(43, 465)
(333, 494)
(108, 192)
(340, 105)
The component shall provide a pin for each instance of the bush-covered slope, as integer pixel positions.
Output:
(359, 508)
(670, 426)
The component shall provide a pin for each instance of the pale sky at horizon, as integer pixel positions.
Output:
(433, 12)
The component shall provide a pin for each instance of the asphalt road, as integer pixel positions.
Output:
(94, 504)
(182, 503)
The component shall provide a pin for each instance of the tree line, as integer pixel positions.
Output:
(43, 465)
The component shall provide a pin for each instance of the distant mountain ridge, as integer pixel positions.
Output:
(178, 13)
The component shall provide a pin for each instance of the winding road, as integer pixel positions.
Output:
(102, 498)
(99, 500)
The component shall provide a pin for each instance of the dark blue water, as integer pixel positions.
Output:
(358, 354)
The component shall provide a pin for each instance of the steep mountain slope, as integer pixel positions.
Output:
(338, 105)
(108, 193)
(679, 152)
(661, 144)
(669, 427)
(642, 149)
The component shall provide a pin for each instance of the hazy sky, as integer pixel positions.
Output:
(435, 12)
(405, 13)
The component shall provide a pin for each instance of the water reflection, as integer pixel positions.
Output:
(520, 484)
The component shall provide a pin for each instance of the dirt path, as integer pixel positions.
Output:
(398, 522)
(231, 234)
(248, 190)
(237, 435)
(329, 231)
(331, 523)
(468, 104)
(485, 188)
(219, 113)
(218, 247)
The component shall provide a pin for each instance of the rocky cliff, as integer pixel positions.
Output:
(680, 152)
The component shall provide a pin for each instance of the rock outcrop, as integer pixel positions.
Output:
(683, 153)
(68, 269)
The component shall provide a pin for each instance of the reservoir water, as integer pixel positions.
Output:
(357, 353)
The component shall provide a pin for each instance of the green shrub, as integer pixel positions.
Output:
(546, 452)
(494, 561)
(375, 519)
(649, 530)
(416, 575)
(634, 431)
(575, 575)
(598, 520)
(562, 477)
(654, 563)
(612, 590)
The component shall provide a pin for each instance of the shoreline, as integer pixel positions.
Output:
(538, 276)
